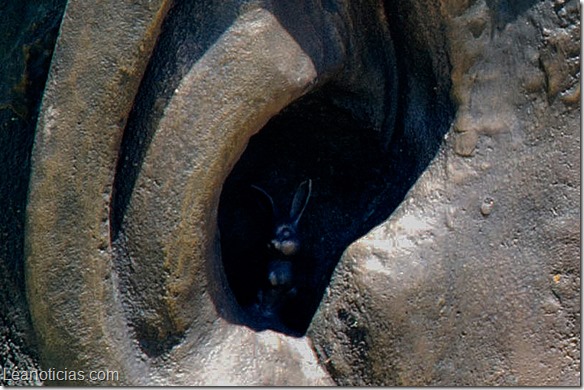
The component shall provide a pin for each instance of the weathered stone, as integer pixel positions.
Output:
(473, 280)
(170, 224)
(253, 70)
(441, 295)
(95, 73)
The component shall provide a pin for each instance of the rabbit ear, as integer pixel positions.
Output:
(268, 202)
(300, 200)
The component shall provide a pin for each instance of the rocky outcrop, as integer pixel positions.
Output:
(474, 280)
(441, 139)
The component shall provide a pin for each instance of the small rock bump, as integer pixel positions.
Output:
(465, 143)
(487, 206)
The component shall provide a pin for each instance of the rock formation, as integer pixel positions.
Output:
(441, 242)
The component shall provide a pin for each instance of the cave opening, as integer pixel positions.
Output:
(359, 176)
(356, 182)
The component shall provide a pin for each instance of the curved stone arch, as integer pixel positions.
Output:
(88, 96)
(199, 139)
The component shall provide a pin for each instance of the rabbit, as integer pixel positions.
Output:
(283, 247)
(277, 288)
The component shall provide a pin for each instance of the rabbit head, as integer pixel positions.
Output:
(285, 238)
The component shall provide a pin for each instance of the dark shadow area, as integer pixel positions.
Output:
(504, 12)
(29, 34)
(349, 170)
(357, 182)
(189, 29)
(29, 31)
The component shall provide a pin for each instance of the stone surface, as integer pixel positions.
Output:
(170, 223)
(444, 293)
(474, 279)
(173, 289)
(89, 93)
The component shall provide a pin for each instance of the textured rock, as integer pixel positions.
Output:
(173, 289)
(472, 280)
(170, 224)
(88, 96)
(461, 286)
